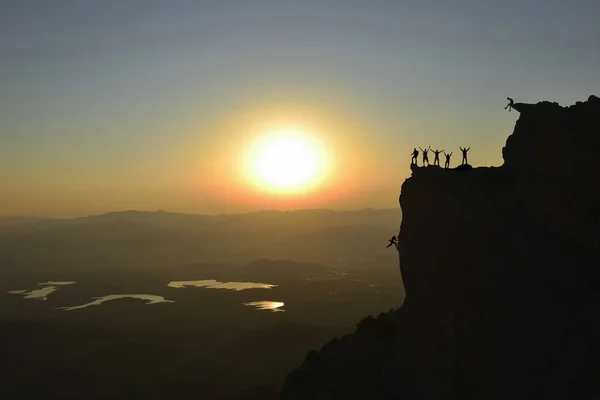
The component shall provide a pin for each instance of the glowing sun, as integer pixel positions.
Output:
(286, 161)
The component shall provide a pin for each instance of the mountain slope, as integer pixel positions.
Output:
(501, 278)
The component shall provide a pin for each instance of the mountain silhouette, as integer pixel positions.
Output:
(501, 276)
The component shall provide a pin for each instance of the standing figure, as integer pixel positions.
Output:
(415, 155)
(464, 152)
(425, 157)
(436, 158)
(510, 104)
(393, 241)
(447, 163)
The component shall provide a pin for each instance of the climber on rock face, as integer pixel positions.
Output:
(393, 241)
(510, 104)
(425, 157)
(436, 158)
(447, 163)
(464, 154)
(415, 154)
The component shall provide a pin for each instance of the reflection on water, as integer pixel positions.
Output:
(181, 284)
(56, 283)
(274, 306)
(152, 299)
(41, 294)
(213, 284)
(242, 285)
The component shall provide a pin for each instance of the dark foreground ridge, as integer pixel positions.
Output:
(502, 276)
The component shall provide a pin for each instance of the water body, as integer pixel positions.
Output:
(213, 284)
(150, 298)
(56, 283)
(41, 294)
(274, 306)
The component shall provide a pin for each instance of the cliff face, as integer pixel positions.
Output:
(502, 278)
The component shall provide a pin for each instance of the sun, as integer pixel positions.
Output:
(286, 161)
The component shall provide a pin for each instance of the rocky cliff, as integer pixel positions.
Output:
(502, 276)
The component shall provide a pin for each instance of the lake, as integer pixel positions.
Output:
(213, 284)
(41, 294)
(150, 298)
(274, 306)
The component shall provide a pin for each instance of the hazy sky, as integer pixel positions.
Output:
(115, 104)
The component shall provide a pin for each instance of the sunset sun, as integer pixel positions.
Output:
(285, 161)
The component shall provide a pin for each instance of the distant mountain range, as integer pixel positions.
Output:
(160, 238)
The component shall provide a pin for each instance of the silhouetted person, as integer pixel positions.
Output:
(436, 158)
(393, 241)
(425, 156)
(510, 104)
(464, 151)
(415, 155)
(447, 163)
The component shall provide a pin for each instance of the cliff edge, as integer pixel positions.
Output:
(502, 279)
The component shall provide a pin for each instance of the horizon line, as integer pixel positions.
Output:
(8, 217)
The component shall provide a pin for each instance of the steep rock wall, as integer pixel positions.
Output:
(502, 278)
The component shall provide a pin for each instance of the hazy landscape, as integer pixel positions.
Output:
(299, 200)
(153, 304)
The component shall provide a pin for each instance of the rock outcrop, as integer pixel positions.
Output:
(502, 279)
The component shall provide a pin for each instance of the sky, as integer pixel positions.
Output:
(146, 104)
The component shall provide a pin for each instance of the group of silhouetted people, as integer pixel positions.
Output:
(436, 158)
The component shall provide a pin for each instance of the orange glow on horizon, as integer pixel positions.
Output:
(337, 165)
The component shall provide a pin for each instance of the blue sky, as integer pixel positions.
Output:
(112, 105)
